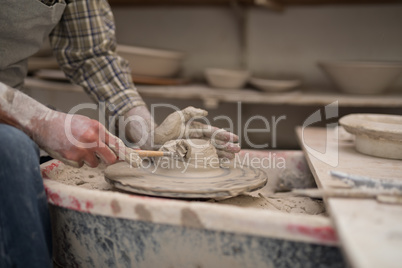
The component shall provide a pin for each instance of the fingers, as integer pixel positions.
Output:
(226, 146)
(73, 163)
(115, 144)
(220, 138)
(91, 160)
(224, 154)
(106, 154)
(117, 147)
(191, 112)
(226, 149)
(199, 130)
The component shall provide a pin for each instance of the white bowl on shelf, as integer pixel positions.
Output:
(226, 78)
(362, 77)
(275, 85)
(151, 62)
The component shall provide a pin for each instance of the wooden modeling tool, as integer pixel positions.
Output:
(130, 154)
(382, 195)
(144, 153)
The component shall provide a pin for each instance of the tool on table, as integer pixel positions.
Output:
(384, 191)
(349, 193)
(367, 182)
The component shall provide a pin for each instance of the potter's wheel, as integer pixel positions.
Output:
(215, 183)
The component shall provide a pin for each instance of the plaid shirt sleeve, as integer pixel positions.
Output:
(85, 46)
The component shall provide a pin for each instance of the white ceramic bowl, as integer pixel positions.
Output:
(151, 62)
(226, 78)
(362, 77)
(275, 85)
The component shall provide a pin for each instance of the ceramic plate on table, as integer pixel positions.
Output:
(376, 134)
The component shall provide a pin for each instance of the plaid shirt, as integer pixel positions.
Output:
(85, 47)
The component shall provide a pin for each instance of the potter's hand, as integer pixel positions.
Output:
(73, 139)
(181, 124)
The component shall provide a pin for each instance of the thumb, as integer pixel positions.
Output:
(191, 112)
(115, 144)
(121, 150)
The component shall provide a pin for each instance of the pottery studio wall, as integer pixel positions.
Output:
(290, 42)
(275, 43)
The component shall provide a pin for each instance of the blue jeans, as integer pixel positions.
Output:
(25, 233)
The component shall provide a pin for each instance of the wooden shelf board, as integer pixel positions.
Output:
(207, 94)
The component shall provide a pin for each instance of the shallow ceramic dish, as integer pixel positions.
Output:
(376, 134)
(362, 77)
(275, 85)
(151, 62)
(226, 78)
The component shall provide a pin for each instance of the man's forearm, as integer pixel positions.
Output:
(84, 44)
(20, 110)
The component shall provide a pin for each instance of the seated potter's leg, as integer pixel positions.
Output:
(25, 234)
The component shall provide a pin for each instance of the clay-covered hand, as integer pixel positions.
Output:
(76, 139)
(181, 125)
(73, 139)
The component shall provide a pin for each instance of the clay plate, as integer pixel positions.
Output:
(376, 134)
(215, 183)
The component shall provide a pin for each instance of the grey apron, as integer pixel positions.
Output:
(24, 25)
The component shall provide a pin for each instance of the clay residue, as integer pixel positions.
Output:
(294, 179)
(93, 178)
(180, 147)
(190, 219)
(9, 95)
(143, 213)
(285, 202)
(193, 153)
(115, 206)
(84, 177)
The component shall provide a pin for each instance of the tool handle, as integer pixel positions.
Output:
(128, 157)
(145, 153)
